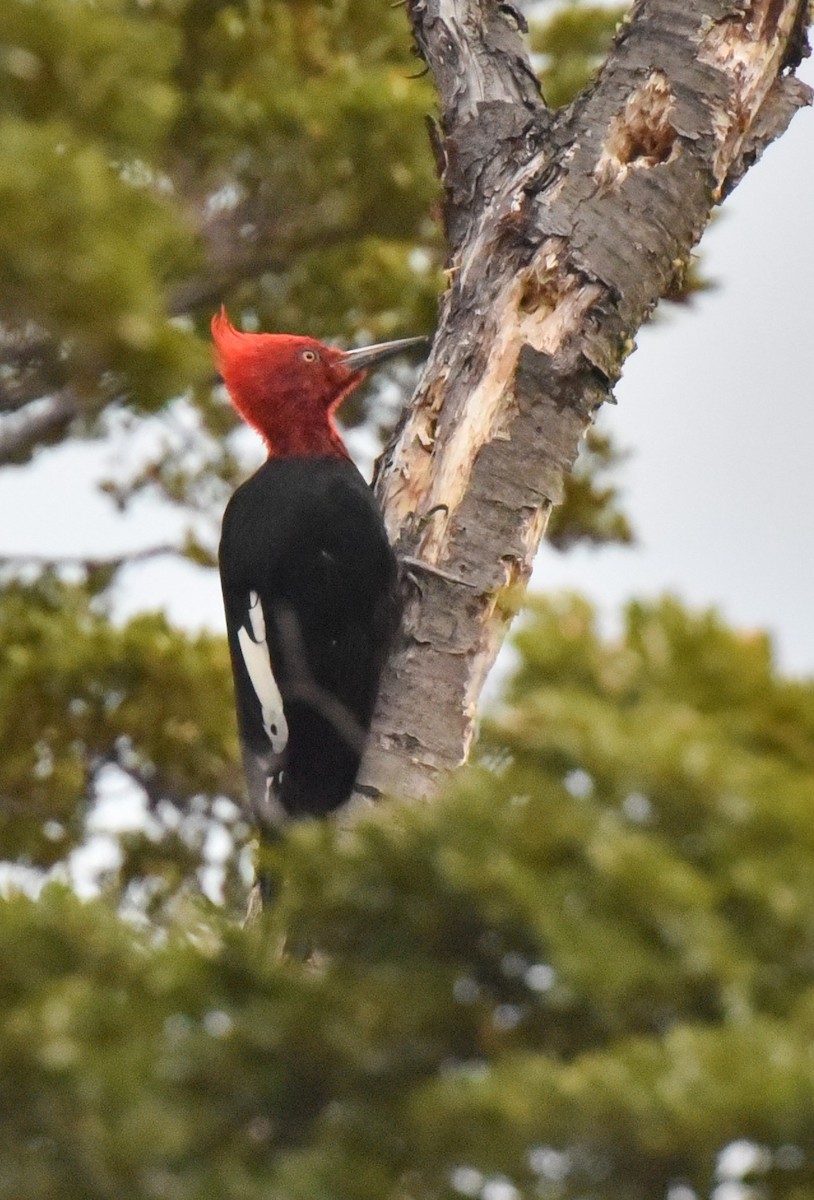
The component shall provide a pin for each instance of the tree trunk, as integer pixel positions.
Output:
(564, 229)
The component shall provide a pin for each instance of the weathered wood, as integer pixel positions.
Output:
(564, 230)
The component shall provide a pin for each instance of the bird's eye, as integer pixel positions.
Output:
(309, 356)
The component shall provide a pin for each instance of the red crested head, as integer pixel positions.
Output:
(288, 388)
(285, 387)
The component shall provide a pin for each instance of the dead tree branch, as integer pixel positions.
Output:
(564, 230)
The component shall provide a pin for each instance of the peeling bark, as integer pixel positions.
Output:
(564, 230)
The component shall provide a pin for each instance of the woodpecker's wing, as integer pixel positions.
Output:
(263, 756)
(309, 585)
(254, 650)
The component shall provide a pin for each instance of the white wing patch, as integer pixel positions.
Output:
(255, 653)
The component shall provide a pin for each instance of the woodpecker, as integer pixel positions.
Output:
(310, 582)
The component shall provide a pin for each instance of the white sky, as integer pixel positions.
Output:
(716, 405)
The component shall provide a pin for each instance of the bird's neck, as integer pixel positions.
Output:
(293, 428)
(310, 441)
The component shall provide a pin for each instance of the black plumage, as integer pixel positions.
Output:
(305, 538)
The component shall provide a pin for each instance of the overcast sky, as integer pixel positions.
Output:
(716, 406)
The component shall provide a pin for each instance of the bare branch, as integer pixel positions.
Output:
(233, 257)
(89, 565)
(21, 434)
(29, 367)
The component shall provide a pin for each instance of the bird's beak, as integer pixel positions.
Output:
(371, 356)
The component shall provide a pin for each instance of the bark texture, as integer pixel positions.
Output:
(564, 230)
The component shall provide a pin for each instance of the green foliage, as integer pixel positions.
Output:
(78, 694)
(87, 100)
(187, 153)
(104, 295)
(574, 42)
(584, 972)
(590, 511)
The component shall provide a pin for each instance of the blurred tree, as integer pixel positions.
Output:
(80, 695)
(183, 154)
(586, 971)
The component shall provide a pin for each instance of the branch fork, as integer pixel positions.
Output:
(564, 230)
